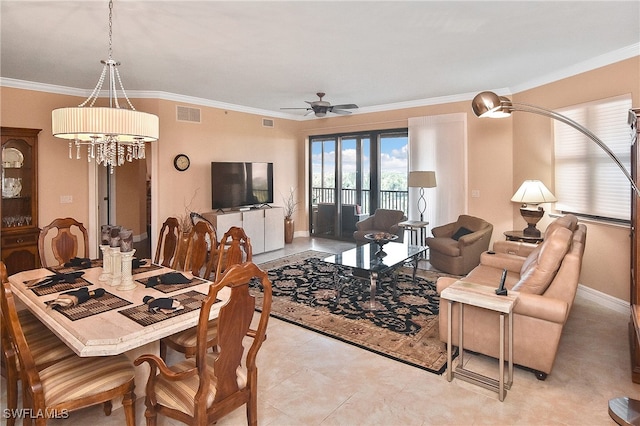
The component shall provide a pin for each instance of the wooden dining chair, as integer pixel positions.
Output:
(202, 249)
(68, 384)
(203, 389)
(46, 348)
(168, 241)
(64, 244)
(234, 248)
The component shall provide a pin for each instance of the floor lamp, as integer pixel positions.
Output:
(487, 104)
(422, 180)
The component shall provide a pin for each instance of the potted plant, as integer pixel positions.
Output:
(290, 204)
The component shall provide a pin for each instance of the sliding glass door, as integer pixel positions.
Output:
(347, 186)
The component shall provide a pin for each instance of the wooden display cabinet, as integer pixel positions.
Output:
(19, 199)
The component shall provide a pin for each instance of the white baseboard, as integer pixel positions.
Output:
(603, 299)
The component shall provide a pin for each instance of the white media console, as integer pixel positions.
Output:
(264, 226)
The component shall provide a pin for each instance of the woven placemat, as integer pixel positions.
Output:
(191, 300)
(97, 263)
(93, 306)
(61, 269)
(57, 287)
(170, 288)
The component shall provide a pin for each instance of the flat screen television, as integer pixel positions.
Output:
(237, 184)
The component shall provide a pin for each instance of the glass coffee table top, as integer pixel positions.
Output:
(364, 257)
(369, 263)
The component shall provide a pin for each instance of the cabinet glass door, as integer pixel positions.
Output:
(18, 189)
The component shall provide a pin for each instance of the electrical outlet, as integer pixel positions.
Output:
(66, 199)
(475, 193)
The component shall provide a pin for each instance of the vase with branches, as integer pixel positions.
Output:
(290, 205)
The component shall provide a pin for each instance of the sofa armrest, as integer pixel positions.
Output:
(467, 240)
(444, 282)
(444, 230)
(514, 247)
(510, 262)
(365, 224)
(544, 308)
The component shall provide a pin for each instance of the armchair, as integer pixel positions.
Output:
(382, 220)
(455, 248)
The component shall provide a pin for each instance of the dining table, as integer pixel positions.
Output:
(118, 321)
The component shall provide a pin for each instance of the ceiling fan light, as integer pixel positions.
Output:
(321, 113)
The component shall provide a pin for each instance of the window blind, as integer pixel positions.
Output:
(588, 182)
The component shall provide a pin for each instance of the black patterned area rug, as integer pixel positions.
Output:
(405, 329)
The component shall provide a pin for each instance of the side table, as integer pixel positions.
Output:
(467, 293)
(519, 236)
(415, 226)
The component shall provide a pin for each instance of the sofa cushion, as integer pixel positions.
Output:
(543, 263)
(461, 232)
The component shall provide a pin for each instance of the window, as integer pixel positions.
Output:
(588, 182)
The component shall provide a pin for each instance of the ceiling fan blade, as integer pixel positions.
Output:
(309, 112)
(294, 108)
(346, 106)
(340, 111)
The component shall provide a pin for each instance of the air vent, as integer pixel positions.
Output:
(267, 122)
(191, 115)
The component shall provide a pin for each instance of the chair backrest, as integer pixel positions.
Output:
(234, 248)
(384, 219)
(200, 258)
(65, 244)
(168, 240)
(233, 324)
(11, 321)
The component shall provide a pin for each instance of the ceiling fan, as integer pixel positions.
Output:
(320, 108)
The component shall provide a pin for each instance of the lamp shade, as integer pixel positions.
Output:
(422, 179)
(89, 122)
(533, 192)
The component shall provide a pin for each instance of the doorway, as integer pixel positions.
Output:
(354, 174)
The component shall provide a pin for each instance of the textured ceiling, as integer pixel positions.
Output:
(267, 55)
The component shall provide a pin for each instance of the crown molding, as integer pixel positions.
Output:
(581, 67)
(597, 62)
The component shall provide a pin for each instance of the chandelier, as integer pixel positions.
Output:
(111, 134)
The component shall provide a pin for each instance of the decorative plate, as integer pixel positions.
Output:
(12, 157)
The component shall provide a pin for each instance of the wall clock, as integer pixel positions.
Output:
(181, 162)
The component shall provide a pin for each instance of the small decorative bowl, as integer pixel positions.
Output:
(381, 238)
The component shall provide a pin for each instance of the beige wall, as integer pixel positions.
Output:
(606, 262)
(501, 153)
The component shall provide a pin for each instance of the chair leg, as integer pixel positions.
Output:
(128, 403)
(163, 350)
(107, 406)
(252, 408)
(12, 391)
(151, 416)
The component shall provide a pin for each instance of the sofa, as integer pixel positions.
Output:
(546, 277)
(456, 247)
(383, 220)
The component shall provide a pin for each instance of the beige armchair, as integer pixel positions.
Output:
(546, 276)
(382, 220)
(455, 248)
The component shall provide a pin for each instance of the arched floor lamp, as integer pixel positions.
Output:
(623, 410)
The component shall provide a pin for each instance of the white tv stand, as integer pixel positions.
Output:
(264, 226)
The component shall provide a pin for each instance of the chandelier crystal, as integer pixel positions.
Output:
(111, 134)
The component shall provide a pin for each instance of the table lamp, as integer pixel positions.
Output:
(422, 180)
(529, 195)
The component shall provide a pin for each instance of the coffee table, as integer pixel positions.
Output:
(366, 265)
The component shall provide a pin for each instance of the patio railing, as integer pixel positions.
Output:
(393, 200)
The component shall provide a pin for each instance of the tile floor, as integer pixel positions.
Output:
(309, 379)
